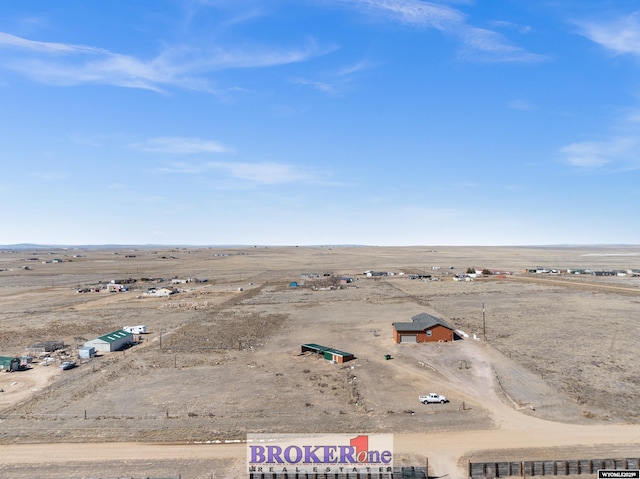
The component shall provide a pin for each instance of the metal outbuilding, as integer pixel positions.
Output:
(9, 363)
(329, 354)
(111, 342)
(87, 352)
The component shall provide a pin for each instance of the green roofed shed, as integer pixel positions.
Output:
(330, 354)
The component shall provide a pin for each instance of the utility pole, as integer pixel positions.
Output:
(484, 325)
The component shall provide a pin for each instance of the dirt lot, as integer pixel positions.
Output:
(222, 358)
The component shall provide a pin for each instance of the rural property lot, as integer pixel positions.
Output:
(553, 373)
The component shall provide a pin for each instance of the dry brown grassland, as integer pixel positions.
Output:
(222, 357)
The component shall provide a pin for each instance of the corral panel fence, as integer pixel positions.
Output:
(407, 472)
(492, 470)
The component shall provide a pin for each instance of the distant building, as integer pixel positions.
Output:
(310, 275)
(419, 276)
(87, 352)
(111, 342)
(161, 292)
(116, 287)
(9, 363)
(423, 328)
(375, 274)
(604, 273)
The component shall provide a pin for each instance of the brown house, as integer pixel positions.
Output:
(423, 328)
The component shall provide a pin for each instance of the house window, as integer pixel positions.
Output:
(428, 332)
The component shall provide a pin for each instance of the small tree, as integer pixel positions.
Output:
(471, 271)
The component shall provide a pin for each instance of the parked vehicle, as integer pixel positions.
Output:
(432, 398)
(68, 365)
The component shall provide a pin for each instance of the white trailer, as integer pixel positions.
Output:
(140, 329)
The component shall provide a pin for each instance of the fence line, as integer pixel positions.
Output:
(491, 470)
(407, 472)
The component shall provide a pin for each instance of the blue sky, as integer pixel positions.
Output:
(381, 122)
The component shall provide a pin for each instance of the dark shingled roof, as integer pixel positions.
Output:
(422, 322)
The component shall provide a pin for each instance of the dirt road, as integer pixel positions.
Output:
(514, 430)
(442, 449)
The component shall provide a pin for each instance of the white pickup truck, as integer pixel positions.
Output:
(432, 397)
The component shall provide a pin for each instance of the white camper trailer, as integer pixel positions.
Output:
(140, 329)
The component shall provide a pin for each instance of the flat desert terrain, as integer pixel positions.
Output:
(546, 366)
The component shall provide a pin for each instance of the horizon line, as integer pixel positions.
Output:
(327, 245)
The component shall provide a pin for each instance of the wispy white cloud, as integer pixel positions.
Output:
(335, 81)
(66, 65)
(265, 173)
(593, 155)
(8, 40)
(258, 173)
(241, 10)
(182, 168)
(616, 150)
(253, 173)
(511, 26)
(318, 85)
(354, 68)
(182, 146)
(184, 67)
(479, 44)
(257, 56)
(620, 35)
(412, 12)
